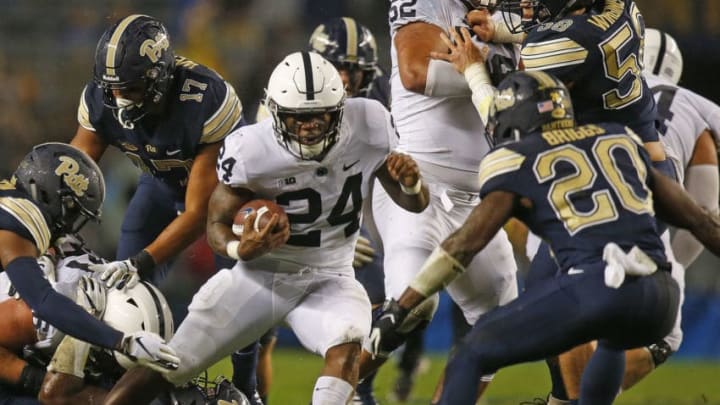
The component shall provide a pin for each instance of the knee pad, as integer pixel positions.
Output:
(660, 352)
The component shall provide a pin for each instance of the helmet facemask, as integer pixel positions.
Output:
(288, 125)
(537, 12)
(134, 70)
(522, 105)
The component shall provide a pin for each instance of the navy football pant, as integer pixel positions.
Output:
(557, 315)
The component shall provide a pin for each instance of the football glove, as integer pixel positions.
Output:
(114, 273)
(389, 320)
(91, 295)
(45, 333)
(150, 350)
(364, 252)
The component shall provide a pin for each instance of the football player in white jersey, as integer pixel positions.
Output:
(316, 158)
(439, 128)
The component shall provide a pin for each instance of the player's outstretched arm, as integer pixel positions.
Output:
(675, 206)
(457, 251)
(18, 257)
(400, 177)
(418, 73)
(189, 225)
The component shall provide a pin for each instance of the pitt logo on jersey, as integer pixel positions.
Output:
(153, 48)
(68, 169)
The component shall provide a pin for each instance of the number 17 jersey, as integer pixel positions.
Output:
(323, 199)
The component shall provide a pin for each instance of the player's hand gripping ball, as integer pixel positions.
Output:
(265, 210)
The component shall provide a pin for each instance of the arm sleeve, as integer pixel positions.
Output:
(83, 113)
(60, 311)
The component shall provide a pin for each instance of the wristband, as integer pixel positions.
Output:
(31, 379)
(232, 249)
(144, 263)
(412, 190)
(439, 270)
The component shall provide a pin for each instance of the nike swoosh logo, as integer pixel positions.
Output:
(172, 152)
(346, 167)
(575, 271)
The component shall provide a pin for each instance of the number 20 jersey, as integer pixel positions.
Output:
(600, 54)
(323, 199)
(589, 186)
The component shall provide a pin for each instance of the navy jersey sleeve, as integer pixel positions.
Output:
(24, 218)
(561, 48)
(223, 112)
(502, 170)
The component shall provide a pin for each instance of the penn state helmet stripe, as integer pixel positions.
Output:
(351, 40)
(112, 45)
(158, 307)
(661, 54)
(309, 82)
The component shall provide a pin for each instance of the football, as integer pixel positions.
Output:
(265, 210)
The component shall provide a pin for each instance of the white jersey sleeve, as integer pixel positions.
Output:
(230, 165)
(682, 117)
(443, 13)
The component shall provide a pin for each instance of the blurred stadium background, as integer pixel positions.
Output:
(46, 57)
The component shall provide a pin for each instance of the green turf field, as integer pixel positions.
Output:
(675, 383)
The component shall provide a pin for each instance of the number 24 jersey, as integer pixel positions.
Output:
(323, 199)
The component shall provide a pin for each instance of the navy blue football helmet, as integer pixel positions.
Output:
(349, 46)
(536, 12)
(134, 56)
(526, 102)
(65, 183)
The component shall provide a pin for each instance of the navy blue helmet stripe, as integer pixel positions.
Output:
(660, 55)
(159, 307)
(309, 84)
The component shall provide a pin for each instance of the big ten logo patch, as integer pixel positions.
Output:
(69, 169)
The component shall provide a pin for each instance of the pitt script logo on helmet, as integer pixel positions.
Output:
(153, 49)
(69, 170)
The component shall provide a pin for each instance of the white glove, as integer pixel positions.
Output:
(150, 350)
(44, 332)
(114, 273)
(47, 265)
(364, 252)
(91, 295)
(69, 245)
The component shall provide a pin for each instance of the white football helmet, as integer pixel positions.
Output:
(304, 86)
(142, 307)
(662, 55)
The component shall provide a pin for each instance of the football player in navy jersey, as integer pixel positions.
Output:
(169, 115)
(55, 190)
(594, 47)
(592, 193)
(351, 48)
